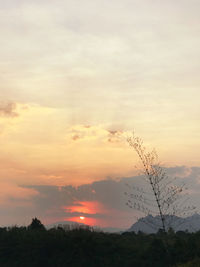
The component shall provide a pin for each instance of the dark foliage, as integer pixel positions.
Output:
(36, 225)
(35, 246)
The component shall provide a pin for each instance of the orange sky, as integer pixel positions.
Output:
(77, 77)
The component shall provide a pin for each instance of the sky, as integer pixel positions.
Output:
(77, 77)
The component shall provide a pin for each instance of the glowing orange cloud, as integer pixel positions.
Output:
(110, 217)
(86, 207)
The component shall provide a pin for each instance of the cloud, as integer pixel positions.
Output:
(107, 61)
(13, 196)
(8, 109)
(40, 144)
(96, 132)
(115, 136)
(102, 201)
(75, 137)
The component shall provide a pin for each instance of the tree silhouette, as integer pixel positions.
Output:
(36, 225)
(163, 199)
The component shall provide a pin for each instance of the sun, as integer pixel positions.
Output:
(82, 217)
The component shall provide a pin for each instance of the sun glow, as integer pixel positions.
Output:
(82, 217)
(87, 220)
(85, 207)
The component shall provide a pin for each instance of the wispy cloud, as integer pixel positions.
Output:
(8, 109)
(97, 132)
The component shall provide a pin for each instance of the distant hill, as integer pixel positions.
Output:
(151, 224)
(148, 224)
(74, 225)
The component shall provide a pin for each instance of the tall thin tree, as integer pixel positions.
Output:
(161, 197)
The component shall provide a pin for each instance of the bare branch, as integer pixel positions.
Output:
(167, 198)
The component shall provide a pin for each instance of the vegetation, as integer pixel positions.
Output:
(36, 246)
(160, 196)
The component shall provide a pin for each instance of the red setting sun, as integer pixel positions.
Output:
(87, 209)
(86, 220)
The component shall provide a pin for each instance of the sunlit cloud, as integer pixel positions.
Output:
(85, 207)
(102, 203)
(8, 109)
(77, 77)
(97, 132)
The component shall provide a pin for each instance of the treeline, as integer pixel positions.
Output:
(36, 246)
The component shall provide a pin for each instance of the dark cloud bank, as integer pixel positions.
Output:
(51, 200)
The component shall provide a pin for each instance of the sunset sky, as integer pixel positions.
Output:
(77, 77)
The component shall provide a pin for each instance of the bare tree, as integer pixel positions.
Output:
(160, 197)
